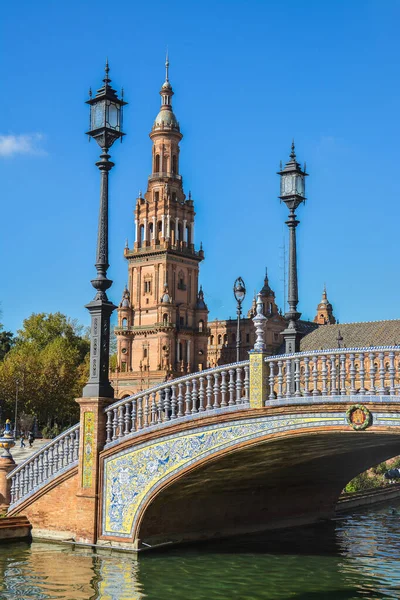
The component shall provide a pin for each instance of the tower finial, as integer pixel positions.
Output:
(106, 79)
(293, 153)
(166, 66)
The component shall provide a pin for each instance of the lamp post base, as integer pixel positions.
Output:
(99, 385)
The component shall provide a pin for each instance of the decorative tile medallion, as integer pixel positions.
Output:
(132, 475)
(359, 417)
(88, 449)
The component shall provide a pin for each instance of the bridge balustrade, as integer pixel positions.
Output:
(187, 397)
(58, 455)
(339, 372)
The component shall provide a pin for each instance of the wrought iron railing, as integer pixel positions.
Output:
(52, 459)
(338, 372)
(220, 388)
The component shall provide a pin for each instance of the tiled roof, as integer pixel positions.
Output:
(355, 335)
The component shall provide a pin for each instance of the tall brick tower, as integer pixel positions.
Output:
(162, 318)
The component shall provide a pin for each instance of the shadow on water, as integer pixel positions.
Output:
(354, 558)
(318, 539)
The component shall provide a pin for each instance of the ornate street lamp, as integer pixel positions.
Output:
(292, 194)
(105, 127)
(239, 291)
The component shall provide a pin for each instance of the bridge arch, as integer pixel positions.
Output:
(204, 479)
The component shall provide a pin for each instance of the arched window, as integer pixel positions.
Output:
(212, 340)
(151, 231)
(174, 164)
(189, 241)
(141, 234)
(219, 340)
(157, 164)
(159, 230)
(201, 326)
(144, 352)
(226, 339)
(125, 323)
(165, 319)
(180, 234)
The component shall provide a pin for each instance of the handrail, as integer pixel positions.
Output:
(50, 460)
(338, 371)
(184, 397)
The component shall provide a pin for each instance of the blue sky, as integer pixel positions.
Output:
(248, 77)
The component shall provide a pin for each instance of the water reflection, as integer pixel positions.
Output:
(353, 558)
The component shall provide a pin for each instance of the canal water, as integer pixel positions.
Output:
(354, 557)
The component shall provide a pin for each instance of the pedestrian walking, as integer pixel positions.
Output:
(21, 439)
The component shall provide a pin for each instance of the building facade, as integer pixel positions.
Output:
(162, 317)
(222, 333)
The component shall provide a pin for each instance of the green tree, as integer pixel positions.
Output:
(6, 342)
(50, 364)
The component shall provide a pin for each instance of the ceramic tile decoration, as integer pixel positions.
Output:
(132, 475)
(88, 456)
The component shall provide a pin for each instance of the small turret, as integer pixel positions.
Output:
(324, 314)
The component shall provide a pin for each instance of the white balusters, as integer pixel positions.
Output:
(361, 373)
(306, 376)
(139, 413)
(239, 385)
(194, 396)
(231, 387)
(288, 379)
(280, 379)
(173, 401)
(209, 392)
(324, 376)
(271, 381)
(372, 390)
(224, 388)
(127, 418)
(180, 400)
(246, 383)
(202, 393)
(332, 359)
(381, 389)
(109, 427)
(342, 372)
(297, 391)
(392, 389)
(216, 390)
(187, 398)
(133, 416)
(353, 389)
(315, 376)
(153, 408)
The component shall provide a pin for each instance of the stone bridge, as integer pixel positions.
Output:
(262, 443)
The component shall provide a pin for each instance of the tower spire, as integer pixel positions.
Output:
(166, 67)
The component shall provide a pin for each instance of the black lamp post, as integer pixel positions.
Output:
(239, 291)
(292, 194)
(105, 127)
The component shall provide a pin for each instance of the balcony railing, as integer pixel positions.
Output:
(163, 175)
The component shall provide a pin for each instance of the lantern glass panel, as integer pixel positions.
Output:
(239, 292)
(98, 114)
(288, 184)
(300, 185)
(113, 115)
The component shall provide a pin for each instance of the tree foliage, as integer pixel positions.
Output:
(48, 366)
